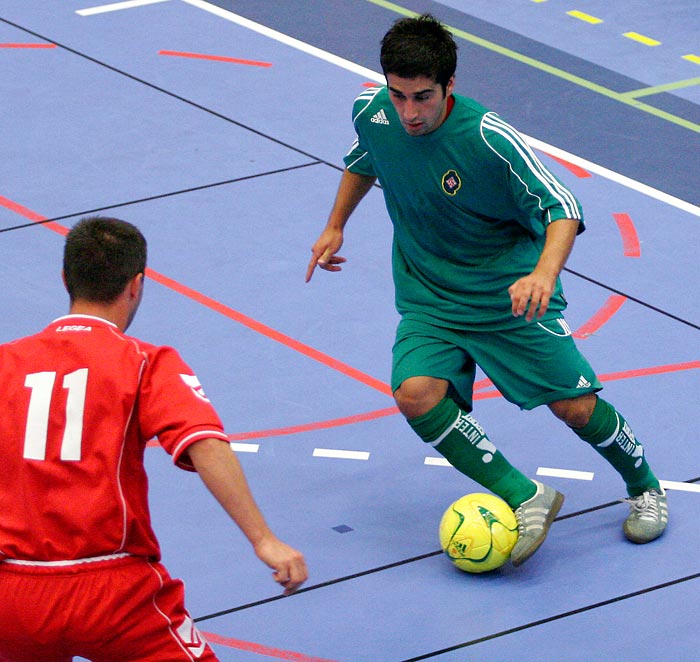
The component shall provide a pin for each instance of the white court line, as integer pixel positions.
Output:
(682, 487)
(286, 39)
(614, 176)
(565, 473)
(245, 448)
(379, 78)
(116, 6)
(342, 455)
(437, 462)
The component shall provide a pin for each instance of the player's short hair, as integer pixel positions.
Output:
(101, 255)
(419, 46)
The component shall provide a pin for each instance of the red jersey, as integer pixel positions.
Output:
(80, 401)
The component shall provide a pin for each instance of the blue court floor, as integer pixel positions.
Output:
(219, 129)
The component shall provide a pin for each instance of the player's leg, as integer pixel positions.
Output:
(458, 437)
(610, 435)
(432, 380)
(32, 617)
(551, 370)
(144, 618)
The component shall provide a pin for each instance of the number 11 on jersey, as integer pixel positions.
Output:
(36, 432)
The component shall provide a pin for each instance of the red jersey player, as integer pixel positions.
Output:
(80, 570)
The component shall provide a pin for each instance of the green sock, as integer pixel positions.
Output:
(608, 432)
(462, 441)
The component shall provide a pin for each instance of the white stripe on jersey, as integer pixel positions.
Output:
(556, 189)
(49, 564)
(368, 96)
(354, 145)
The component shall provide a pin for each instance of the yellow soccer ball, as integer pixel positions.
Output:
(478, 532)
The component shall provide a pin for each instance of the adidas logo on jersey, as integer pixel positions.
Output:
(583, 382)
(380, 117)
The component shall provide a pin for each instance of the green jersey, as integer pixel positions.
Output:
(470, 203)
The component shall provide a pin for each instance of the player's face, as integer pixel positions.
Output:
(420, 102)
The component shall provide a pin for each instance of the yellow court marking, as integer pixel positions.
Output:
(584, 17)
(554, 71)
(692, 58)
(647, 41)
(657, 89)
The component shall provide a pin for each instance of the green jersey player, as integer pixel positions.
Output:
(482, 230)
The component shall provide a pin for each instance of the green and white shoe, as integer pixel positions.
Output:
(648, 516)
(534, 519)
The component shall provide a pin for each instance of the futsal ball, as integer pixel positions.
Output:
(478, 532)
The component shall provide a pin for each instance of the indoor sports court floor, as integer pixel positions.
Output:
(219, 129)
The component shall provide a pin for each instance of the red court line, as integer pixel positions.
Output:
(270, 332)
(646, 372)
(27, 45)
(479, 394)
(345, 420)
(216, 58)
(31, 215)
(610, 307)
(260, 649)
(630, 239)
(318, 425)
(218, 307)
(576, 170)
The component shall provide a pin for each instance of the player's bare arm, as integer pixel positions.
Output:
(532, 293)
(220, 470)
(353, 187)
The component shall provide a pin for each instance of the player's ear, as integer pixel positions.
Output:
(449, 88)
(136, 285)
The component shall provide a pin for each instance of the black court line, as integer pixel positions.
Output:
(162, 90)
(159, 196)
(635, 299)
(558, 617)
(316, 160)
(422, 557)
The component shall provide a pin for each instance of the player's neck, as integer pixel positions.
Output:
(110, 312)
(450, 106)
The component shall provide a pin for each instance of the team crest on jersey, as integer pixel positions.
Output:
(451, 183)
(193, 383)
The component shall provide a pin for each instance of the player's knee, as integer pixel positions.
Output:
(575, 412)
(418, 395)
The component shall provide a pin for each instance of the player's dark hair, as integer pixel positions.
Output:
(419, 46)
(100, 257)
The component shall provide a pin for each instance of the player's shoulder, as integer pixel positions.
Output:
(157, 356)
(470, 106)
(369, 99)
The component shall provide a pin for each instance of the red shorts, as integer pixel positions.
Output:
(117, 610)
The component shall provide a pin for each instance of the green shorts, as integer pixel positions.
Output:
(531, 365)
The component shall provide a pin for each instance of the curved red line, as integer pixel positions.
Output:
(630, 240)
(347, 420)
(318, 425)
(487, 395)
(216, 58)
(610, 307)
(277, 653)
